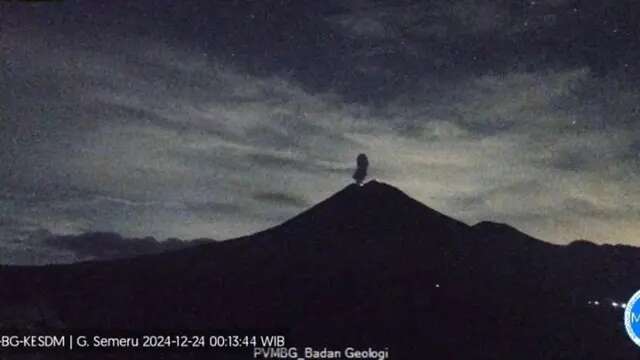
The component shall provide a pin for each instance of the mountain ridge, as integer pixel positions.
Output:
(101, 246)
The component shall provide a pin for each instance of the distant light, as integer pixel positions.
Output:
(589, 302)
(614, 304)
(624, 306)
(437, 285)
(596, 303)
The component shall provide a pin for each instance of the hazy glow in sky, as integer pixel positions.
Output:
(193, 120)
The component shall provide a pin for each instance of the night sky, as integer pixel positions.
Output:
(216, 119)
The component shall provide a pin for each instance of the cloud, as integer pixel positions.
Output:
(31, 250)
(521, 148)
(281, 199)
(150, 136)
(41, 247)
(152, 145)
(112, 245)
(434, 20)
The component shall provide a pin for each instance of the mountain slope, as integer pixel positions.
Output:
(369, 266)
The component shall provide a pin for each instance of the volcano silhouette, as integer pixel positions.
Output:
(367, 267)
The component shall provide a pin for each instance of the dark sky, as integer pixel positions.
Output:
(214, 119)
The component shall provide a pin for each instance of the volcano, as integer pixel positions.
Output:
(367, 267)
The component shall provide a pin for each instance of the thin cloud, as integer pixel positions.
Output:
(281, 199)
(149, 137)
